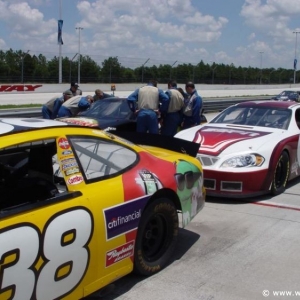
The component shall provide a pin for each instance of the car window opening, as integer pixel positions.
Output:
(26, 174)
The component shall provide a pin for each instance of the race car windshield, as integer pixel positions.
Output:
(255, 116)
(108, 109)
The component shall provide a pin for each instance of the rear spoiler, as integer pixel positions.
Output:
(158, 140)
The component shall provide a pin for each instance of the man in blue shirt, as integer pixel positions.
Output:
(193, 107)
(75, 105)
(148, 102)
(51, 108)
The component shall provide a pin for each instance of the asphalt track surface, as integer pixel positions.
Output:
(232, 250)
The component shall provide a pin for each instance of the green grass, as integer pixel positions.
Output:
(9, 106)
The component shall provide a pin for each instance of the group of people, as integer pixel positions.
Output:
(70, 103)
(172, 109)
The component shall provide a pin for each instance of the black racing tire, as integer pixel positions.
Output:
(281, 174)
(156, 237)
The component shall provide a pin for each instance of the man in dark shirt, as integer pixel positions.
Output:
(193, 107)
(74, 88)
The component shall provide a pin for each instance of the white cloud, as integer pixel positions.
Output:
(165, 30)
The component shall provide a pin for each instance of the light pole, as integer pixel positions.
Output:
(295, 60)
(171, 69)
(261, 53)
(143, 69)
(60, 42)
(79, 30)
(22, 72)
(70, 72)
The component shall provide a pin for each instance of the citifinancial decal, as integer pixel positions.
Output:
(123, 218)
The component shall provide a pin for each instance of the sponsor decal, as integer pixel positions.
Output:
(68, 163)
(150, 182)
(81, 121)
(120, 220)
(63, 143)
(71, 171)
(123, 218)
(19, 87)
(115, 255)
(67, 152)
(76, 179)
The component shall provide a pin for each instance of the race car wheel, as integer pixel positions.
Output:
(156, 237)
(281, 174)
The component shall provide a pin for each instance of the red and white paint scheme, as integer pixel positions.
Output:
(249, 149)
(8, 88)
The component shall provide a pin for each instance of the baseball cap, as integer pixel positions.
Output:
(74, 84)
(68, 92)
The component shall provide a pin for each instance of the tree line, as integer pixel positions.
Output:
(22, 67)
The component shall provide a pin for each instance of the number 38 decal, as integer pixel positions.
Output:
(48, 265)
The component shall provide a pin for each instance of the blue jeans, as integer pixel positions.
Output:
(147, 121)
(46, 112)
(190, 122)
(170, 123)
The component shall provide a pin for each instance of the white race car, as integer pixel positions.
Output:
(249, 149)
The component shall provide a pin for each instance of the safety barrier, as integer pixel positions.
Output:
(209, 104)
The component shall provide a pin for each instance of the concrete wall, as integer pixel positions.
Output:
(40, 93)
(59, 88)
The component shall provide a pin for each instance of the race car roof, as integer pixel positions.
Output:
(269, 104)
(14, 125)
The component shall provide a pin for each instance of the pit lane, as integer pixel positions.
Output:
(232, 250)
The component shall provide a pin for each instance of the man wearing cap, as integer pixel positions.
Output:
(75, 89)
(75, 105)
(51, 108)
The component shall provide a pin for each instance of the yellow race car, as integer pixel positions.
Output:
(114, 210)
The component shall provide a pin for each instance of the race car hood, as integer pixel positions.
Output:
(215, 139)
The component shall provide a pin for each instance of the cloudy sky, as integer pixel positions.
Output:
(243, 32)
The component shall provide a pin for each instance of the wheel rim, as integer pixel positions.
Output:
(154, 237)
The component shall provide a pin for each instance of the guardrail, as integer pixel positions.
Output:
(209, 104)
(218, 104)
